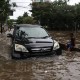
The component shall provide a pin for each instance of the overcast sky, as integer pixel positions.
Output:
(25, 7)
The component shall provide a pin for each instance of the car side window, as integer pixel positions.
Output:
(17, 33)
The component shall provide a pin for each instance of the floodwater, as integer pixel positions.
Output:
(51, 67)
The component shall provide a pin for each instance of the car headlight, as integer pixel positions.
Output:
(21, 48)
(56, 45)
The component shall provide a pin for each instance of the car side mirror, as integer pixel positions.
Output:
(9, 35)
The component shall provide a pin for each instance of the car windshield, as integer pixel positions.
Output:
(35, 32)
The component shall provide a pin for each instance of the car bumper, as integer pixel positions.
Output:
(28, 54)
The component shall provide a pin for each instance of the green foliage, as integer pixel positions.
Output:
(20, 20)
(25, 14)
(14, 4)
(25, 19)
(41, 11)
(5, 9)
(10, 23)
(28, 20)
(57, 15)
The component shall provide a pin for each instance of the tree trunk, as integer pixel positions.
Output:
(1, 28)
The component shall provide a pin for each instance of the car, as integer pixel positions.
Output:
(28, 39)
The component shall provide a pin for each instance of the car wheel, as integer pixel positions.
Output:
(19, 55)
(23, 56)
(15, 55)
(59, 51)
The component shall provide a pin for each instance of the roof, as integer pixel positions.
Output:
(27, 25)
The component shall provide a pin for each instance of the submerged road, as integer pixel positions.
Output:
(52, 67)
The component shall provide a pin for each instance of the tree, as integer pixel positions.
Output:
(20, 20)
(25, 14)
(28, 20)
(25, 19)
(5, 9)
(10, 23)
(41, 12)
(58, 15)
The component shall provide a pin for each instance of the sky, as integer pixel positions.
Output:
(24, 6)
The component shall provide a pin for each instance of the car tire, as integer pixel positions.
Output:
(59, 51)
(15, 55)
(19, 55)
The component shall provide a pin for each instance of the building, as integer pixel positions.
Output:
(41, 0)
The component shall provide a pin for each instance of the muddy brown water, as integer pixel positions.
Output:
(52, 67)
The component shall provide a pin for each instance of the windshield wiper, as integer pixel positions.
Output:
(38, 37)
(32, 37)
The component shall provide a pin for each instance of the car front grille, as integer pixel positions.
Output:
(41, 49)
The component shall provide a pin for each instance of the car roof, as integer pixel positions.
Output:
(27, 25)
